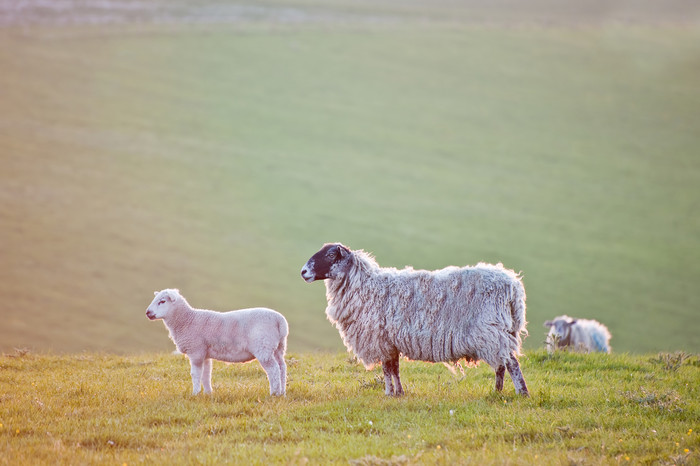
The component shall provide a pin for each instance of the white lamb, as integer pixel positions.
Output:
(579, 334)
(234, 336)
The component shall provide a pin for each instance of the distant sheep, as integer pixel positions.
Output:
(578, 334)
(476, 313)
(234, 336)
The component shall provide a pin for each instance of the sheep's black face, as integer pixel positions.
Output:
(330, 262)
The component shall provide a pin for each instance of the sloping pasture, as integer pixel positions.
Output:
(214, 146)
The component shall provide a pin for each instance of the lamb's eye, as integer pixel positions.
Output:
(161, 302)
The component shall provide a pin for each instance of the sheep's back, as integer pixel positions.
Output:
(426, 315)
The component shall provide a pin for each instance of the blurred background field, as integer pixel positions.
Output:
(214, 146)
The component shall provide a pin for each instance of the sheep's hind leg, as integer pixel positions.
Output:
(516, 375)
(500, 373)
(273, 371)
(206, 375)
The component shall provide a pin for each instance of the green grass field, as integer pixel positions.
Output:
(215, 146)
(584, 409)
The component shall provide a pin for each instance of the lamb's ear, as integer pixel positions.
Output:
(171, 295)
(548, 323)
(155, 293)
(573, 321)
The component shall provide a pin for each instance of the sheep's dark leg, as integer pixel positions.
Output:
(500, 373)
(392, 381)
(397, 380)
(516, 375)
(388, 385)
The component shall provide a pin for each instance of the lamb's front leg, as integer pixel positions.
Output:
(196, 367)
(206, 375)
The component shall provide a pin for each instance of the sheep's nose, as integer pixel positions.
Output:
(306, 274)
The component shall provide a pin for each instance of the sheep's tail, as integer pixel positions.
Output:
(600, 341)
(517, 310)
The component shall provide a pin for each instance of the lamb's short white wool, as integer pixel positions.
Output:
(582, 335)
(234, 336)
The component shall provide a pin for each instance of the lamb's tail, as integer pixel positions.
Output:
(283, 333)
(517, 311)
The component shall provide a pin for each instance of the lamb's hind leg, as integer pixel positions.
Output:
(272, 369)
(279, 357)
(516, 375)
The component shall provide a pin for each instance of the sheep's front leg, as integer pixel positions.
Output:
(206, 375)
(388, 384)
(500, 373)
(392, 381)
(196, 366)
(516, 375)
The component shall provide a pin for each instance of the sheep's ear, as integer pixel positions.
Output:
(155, 293)
(548, 323)
(573, 321)
(343, 251)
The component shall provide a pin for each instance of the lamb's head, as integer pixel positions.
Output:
(162, 303)
(560, 328)
(332, 261)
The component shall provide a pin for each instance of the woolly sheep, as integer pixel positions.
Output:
(476, 313)
(580, 334)
(234, 336)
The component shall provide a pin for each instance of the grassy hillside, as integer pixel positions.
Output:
(584, 409)
(215, 146)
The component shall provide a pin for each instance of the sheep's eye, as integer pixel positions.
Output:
(161, 302)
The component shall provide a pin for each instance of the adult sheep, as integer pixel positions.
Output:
(579, 334)
(234, 336)
(475, 313)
